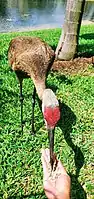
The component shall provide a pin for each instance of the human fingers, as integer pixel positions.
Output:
(47, 155)
(61, 168)
(45, 163)
(55, 161)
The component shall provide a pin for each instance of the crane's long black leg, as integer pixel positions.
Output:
(21, 100)
(33, 105)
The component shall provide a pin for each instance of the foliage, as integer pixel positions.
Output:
(20, 157)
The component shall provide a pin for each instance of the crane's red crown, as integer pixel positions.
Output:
(50, 108)
(51, 115)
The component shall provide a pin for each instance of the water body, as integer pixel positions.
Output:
(18, 15)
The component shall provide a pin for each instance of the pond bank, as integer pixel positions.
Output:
(46, 26)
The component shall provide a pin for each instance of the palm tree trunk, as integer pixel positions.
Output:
(68, 43)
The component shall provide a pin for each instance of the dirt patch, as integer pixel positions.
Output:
(78, 65)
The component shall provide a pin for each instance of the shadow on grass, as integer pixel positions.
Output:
(86, 50)
(68, 119)
(64, 79)
(53, 47)
(87, 36)
(61, 78)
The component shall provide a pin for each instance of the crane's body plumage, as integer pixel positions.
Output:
(30, 56)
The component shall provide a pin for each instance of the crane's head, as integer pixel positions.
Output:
(51, 113)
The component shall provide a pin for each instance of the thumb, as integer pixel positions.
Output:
(49, 188)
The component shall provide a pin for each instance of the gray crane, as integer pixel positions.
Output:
(32, 57)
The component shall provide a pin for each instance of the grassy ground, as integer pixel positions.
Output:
(20, 164)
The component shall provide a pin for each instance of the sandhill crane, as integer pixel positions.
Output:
(32, 57)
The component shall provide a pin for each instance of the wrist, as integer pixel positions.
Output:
(64, 196)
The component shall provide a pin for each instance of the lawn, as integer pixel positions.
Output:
(20, 159)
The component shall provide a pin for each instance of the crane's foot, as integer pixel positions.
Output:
(22, 125)
(32, 131)
(21, 128)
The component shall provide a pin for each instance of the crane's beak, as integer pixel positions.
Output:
(51, 143)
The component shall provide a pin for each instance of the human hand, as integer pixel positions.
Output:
(57, 182)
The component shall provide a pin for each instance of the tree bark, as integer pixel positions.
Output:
(68, 43)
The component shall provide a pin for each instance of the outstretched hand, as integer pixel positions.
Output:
(57, 182)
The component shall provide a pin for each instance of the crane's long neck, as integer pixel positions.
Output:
(40, 87)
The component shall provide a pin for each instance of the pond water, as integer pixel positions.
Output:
(18, 15)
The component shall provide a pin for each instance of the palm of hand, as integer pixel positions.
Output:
(57, 189)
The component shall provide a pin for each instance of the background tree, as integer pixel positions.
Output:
(68, 43)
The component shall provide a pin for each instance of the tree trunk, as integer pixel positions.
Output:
(68, 43)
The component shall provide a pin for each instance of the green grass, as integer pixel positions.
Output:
(20, 159)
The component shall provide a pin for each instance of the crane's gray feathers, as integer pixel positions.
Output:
(33, 57)
(30, 55)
